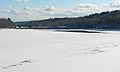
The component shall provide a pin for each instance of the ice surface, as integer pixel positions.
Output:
(50, 51)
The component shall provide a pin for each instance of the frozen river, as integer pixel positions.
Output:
(52, 51)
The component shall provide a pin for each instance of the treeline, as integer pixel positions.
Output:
(6, 23)
(104, 20)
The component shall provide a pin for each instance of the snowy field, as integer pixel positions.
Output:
(52, 51)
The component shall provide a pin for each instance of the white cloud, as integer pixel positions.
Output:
(86, 5)
(29, 13)
(52, 9)
(115, 3)
(94, 8)
(23, 11)
(22, 1)
(11, 11)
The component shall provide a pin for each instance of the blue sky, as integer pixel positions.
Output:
(20, 10)
(58, 3)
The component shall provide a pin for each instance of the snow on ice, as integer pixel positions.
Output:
(52, 51)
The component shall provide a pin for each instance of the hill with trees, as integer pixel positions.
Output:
(104, 20)
(6, 23)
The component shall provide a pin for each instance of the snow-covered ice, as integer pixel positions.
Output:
(52, 51)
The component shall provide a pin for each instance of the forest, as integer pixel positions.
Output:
(104, 20)
(6, 23)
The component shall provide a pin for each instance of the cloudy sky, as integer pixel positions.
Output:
(22, 10)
